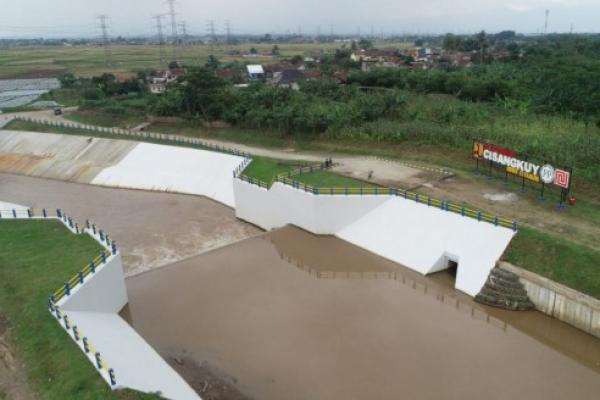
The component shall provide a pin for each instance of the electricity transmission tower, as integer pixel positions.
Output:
(210, 30)
(228, 31)
(183, 30)
(546, 22)
(161, 38)
(174, 39)
(105, 42)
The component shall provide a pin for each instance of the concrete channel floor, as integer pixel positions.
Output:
(152, 229)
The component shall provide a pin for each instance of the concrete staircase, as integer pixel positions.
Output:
(504, 290)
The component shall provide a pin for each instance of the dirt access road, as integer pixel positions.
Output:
(462, 188)
(13, 378)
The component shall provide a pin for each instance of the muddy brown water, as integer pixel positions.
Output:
(151, 228)
(291, 315)
(297, 316)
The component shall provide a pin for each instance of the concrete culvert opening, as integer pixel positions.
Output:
(452, 269)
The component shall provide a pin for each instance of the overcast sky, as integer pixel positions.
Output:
(33, 18)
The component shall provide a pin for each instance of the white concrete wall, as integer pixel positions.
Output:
(417, 236)
(136, 364)
(10, 206)
(424, 239)
(282, 205)
(103, 291)
(174, 169)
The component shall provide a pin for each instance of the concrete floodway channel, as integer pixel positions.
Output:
(329, 327)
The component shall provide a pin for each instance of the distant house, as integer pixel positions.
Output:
(159, 81)
(157, 87)
(312, 74)
(229, 74)
(387, 62)
(271, 69)
(255, 71)
(289, 78)
(373, 55)
(458, 58)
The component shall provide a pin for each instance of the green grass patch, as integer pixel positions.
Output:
(36, 257)
(266, 169)
(327, 179)
(194, 128)
(558, 259)
(105, 119)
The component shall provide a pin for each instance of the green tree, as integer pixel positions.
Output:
(203, 95)
(212, 63)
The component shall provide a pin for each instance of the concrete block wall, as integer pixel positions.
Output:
(559, 301)
(412, 234)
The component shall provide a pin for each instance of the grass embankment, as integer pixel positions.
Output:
(107, 120)
(36, 257)
(560, 260)
(266, 169)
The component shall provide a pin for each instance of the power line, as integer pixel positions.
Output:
(105, 43)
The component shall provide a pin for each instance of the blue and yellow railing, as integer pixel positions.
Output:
(286, 178)
(83, 342)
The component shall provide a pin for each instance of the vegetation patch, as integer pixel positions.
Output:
(35, 258)
(327, 179)
(558, 259)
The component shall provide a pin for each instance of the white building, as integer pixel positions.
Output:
(255, 71)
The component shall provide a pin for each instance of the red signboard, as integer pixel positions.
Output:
(500, 150)
(562, 178)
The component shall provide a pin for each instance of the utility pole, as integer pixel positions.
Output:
(546, 22)
(105, 42)
(161, 38)
(174, 39)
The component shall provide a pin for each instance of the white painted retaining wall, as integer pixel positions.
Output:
(174, 169)
(103, 292)
(137, 365)
(417, 236)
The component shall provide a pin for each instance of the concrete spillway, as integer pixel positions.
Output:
(119, 163)
(69, 158)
